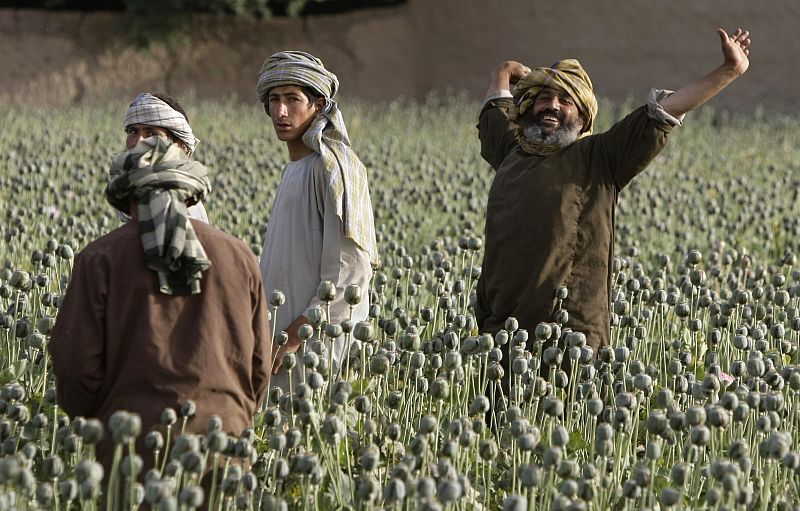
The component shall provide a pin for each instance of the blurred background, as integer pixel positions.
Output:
(61, 52)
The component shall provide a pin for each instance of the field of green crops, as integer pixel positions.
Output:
(696, 405)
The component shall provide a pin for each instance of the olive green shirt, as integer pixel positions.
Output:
(550, 219)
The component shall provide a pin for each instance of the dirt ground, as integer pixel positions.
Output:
(627, 46)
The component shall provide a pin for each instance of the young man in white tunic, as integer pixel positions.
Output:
(321, 226)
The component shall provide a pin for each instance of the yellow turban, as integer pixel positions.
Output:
(565, 75)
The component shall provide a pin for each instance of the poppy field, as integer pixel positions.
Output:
(694, 405)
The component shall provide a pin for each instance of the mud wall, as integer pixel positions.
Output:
(627, 46)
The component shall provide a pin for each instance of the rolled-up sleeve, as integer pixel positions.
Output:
(657, 112)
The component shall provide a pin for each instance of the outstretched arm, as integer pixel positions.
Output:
(735, 49)
(504, 76)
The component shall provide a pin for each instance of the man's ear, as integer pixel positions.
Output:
(320, 104)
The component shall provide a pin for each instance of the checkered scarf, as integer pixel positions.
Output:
(327, 136)
(148, 109)
(565, 75)
(161, 179)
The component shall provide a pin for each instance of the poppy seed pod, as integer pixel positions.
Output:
(595, 407)
(91, 431)
(426, 487)
(277, 298)
(333, 330)
(289, 361)
(495, 372)
(52, 467)
(501, 338)
(379, 364)
(511, 325)
(154, 441)
(315, 380)
(168, 417)
(488, 449)
(440, 389)
(553, 406)
(315, 315)
(427, 424)
(552, 356)
(560, 380)
(191, 496)
(520, 337)
(363, 331)
(363, 405)
(353, 294)
(527, 442)
(480, 405)
(448, 491)
(87, 470)
(394, 399)
(394, 491)
(326, 291)
(559, 436)
(519, 366)
(515, 503)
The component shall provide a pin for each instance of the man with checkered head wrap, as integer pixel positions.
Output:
(550, 211)
(321, 226)
(162, 309)
(159, 114)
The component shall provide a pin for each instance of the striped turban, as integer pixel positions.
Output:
(345, 175)
(566, 76)
(148, 109)
(161, 179)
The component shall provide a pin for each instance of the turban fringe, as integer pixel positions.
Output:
(345, 175)
(148, 109)
(161, 179)
(565, 75)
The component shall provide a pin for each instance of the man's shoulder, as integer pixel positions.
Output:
(216, 234)
(309, 160)
(113, 240)
(219, 239)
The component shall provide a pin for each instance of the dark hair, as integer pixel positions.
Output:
(309, 92)
(172, 102)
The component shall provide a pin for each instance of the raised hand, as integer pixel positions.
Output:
(736, 49)
(515, 70)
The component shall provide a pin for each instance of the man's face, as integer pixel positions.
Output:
(554, 118)
(291, 111)
(138, 132)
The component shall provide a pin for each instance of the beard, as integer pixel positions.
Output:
(564, 135)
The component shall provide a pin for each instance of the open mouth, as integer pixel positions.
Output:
(549, 119)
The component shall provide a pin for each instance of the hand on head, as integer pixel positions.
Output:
(516, 70)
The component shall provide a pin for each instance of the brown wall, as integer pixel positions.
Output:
(627, 46)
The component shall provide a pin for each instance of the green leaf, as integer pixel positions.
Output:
(576, 442)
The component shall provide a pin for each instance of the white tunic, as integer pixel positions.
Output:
(198, 212)
(304, 245)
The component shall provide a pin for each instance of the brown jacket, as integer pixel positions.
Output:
(550, 221)
(120, 344)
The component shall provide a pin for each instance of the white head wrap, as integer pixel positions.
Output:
(148, 109)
